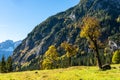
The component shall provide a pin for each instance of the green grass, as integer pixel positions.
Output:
(72, 73)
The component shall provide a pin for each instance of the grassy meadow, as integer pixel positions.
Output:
(71, 73)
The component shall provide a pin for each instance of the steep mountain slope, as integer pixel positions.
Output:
(7, 47)
(63, 27)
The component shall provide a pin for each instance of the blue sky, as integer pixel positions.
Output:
(19, 17)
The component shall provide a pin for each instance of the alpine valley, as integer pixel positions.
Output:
(64, 27)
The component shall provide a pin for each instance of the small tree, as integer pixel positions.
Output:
(50, 58)
(3, 65)
(116, 57)
(9, 64)
(91, 31)
(47, 64)
(70, 50)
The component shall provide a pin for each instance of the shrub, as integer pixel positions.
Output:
(116, 57)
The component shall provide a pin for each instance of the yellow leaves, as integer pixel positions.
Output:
(118, 19)
(91, 31)
(46, 64)
(71, 49)
(51, 52)
(50, 58)
(91, 28)
(64, 45)
(91, 46)
(116, 57)
(83, 33)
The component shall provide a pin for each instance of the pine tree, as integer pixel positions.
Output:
(9, 64)
(3, 65)
(0, 66)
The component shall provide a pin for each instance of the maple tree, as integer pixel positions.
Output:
(71, 50)
(91, 31)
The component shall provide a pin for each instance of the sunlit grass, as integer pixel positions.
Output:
(72, 73)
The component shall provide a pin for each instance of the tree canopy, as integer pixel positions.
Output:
(71, 50)
(50, 58)
(90, 29)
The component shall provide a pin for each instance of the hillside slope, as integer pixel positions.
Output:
(63, 27)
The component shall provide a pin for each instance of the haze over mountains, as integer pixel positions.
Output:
(7, 47)
(63, 27)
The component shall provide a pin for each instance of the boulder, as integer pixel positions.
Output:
(106, 67)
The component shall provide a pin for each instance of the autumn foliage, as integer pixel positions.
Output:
(91, 31)
(116, 57)
(71, 50)
(50, 58)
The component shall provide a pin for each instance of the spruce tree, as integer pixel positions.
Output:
(0, 66)
(9, 64)
(3, 65)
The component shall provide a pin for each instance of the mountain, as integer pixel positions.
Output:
(7, 47)
(63, 27)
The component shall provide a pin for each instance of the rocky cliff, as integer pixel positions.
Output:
(63, 27)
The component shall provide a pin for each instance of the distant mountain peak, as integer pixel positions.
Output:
(7, 47)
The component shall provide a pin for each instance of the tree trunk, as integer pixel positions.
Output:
(70, 61)
(97, 55)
